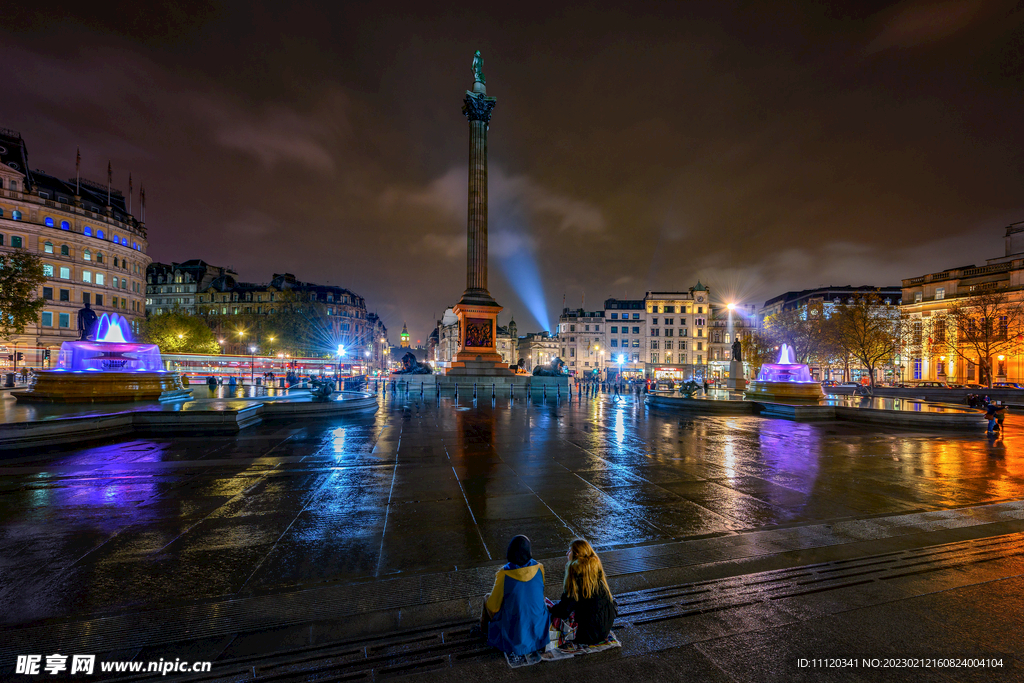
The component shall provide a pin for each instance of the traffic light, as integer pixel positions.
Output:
(46, 354)
(21, 356)
(10, 358)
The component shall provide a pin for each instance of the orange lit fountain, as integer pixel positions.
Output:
(111, 369)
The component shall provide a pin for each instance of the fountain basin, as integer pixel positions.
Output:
(85, 386)
(772, 390)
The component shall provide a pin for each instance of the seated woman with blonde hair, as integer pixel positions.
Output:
(586, 600)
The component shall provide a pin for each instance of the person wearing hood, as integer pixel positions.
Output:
(515, 617)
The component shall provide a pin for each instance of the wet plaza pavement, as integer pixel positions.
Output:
(425, 486)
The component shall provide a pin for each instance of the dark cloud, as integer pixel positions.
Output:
(759, 147)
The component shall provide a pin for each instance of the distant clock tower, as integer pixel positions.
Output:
(405, 336)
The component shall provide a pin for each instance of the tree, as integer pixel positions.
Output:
(758, 349)
(868, 330)
(980, 327)
(21, 275)
(796, 329)
(178, 332)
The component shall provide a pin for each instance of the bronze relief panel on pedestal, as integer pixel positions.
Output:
(480, 332)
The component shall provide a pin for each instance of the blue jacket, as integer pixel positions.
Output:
(519, 617)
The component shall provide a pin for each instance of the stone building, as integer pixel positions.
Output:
(677, 338)
(340, 314)
(726, 326)
(173, 286)
(538, 348)
(93, 249)
(582, 343)
(927, 354)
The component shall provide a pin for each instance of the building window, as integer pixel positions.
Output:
(47, 270)
(101, 279)
(668, 345)
(64, 225)
(99, 298)
(940, 293)
(654, 358)
(636, 316)
(65, 273)
(48, 221)
(668, 332)
(654, 345)
(87, 255)
(47, 319)
(87, 231)
(636, 330)
(64, 320)
(917, 368)
(48, 247)
(572, 328)
(615, 316)
(16, 215)
(48, 293)
(85, 298)
(670, 321)
(597, 328)
(117, 282)
(917, 297)
(669, 309)
(86, 276)
(615, 343)
(65, 295)
(99, 257)
(700, 346)
(654, 321)
(64, 250)
(16, 242)
(99, 233)
(636, 343)
(655, 332)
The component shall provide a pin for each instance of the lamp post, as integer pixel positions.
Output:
(341, 352)
(252, 365)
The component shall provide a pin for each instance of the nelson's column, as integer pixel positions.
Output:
(477, 310)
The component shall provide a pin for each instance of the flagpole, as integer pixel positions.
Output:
(78, 172)
(110, 178)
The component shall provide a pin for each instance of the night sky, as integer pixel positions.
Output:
(760, 147)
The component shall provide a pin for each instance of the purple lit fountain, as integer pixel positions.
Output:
(785, 381)
(112, 368)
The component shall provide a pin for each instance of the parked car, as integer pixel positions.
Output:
(931, 385)
(830, 383)
(1006, 385)
(848, 384)
(974, 386)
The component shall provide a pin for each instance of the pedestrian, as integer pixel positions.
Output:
(515, 618)
(1000, 415)
(705, 387)
(586, 611)
(991, 414)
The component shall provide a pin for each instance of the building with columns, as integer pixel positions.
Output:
(932, 349)
(92, 247)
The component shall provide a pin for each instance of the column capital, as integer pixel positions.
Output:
(478, 107)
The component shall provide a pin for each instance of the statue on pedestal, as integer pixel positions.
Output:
(737, 350)
(478, 68)
(553, 369)
(411, 366)
(86, 322)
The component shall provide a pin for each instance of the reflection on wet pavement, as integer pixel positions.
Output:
(428, 486)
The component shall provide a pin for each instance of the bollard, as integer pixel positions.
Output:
(456, 390)
(511, 389)
(544, 391)
(492, 389)
(421, 389)
(474, 389)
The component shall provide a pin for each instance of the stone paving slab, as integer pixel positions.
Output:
(405, 602)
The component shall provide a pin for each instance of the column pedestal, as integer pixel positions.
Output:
(477, 353)
(736, 381)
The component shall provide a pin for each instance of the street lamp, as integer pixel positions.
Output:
(252, 365)
(341, 352)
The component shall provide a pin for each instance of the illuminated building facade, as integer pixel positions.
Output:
(173, 286)
(677, 338)
(932, 349)
(92, 248)
(338, 311)
(582, 344)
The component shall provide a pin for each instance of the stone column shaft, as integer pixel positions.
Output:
(476, 266)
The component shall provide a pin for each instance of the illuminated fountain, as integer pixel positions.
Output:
(112, 368)
(785, 381)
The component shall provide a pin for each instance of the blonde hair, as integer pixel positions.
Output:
(584, 575)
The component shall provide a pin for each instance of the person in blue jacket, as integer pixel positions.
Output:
(515, 617)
